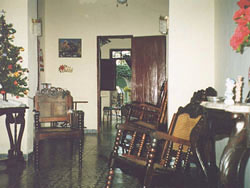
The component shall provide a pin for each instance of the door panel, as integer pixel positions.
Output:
(148, 67)
(108, 74)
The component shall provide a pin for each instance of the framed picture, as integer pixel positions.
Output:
(70, 47)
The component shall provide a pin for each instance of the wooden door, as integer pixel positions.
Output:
(148, 67)
(108, 74)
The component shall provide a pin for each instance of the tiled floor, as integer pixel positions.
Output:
(59, 165)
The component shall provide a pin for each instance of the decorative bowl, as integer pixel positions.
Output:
(215, 99)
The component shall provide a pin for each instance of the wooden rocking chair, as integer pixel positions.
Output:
(149, 115)
(147, 153)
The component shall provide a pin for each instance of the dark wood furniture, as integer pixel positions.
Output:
(228, 121)
(153, 115)
(108, 112)
(146, 153)
(55, 117)
(15, 114)
(75, 104)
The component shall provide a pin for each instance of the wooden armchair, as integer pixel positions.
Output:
(54, 117)
(147, 153)
(153, 116)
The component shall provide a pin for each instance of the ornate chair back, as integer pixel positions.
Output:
(54, 105)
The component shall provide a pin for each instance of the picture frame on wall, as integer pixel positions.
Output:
(70, 48)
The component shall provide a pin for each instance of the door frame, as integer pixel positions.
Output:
(99, 75)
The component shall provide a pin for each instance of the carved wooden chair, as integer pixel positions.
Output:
(147, 153)
(153, 116)
(54, 117)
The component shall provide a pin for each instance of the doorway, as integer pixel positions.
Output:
(113, 67)
(148, 65)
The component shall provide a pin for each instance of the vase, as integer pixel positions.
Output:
(5, 97)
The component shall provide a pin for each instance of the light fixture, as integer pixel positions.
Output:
(163, 25)
(122, 2)
(37, 27)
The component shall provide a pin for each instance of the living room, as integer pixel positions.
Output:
(198, 48)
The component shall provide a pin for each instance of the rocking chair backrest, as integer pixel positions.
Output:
(163, 103)
(155, 114)
(176, 146)
(183, 127)
(174, 151)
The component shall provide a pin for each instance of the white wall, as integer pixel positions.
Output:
(228, 63)
(191, 50)
(20, 14)
(87, 20)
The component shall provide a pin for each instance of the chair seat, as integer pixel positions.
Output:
(44, 133)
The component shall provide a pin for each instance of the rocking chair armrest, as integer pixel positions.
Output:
(138, 105)
(159, 135)
(150, 107)
(130, 127)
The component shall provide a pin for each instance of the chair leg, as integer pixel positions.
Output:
(110, 115)
(80, 115)
(111, 171)
(150, 162)
(36, 156)
(110, 178)
(80, 152)
(80, 118)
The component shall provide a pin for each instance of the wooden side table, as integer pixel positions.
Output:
(15, 113)
(236, 153)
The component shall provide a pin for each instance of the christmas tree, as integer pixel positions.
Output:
(12, 76)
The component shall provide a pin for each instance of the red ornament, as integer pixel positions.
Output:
(15, 82)
(10, 67)
(61, 68)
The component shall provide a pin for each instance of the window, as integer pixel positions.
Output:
(120, 53)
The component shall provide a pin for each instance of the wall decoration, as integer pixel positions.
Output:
(65, 68)
(70, 48)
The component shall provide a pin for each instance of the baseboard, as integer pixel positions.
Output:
(4, 156)
(90, 131)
